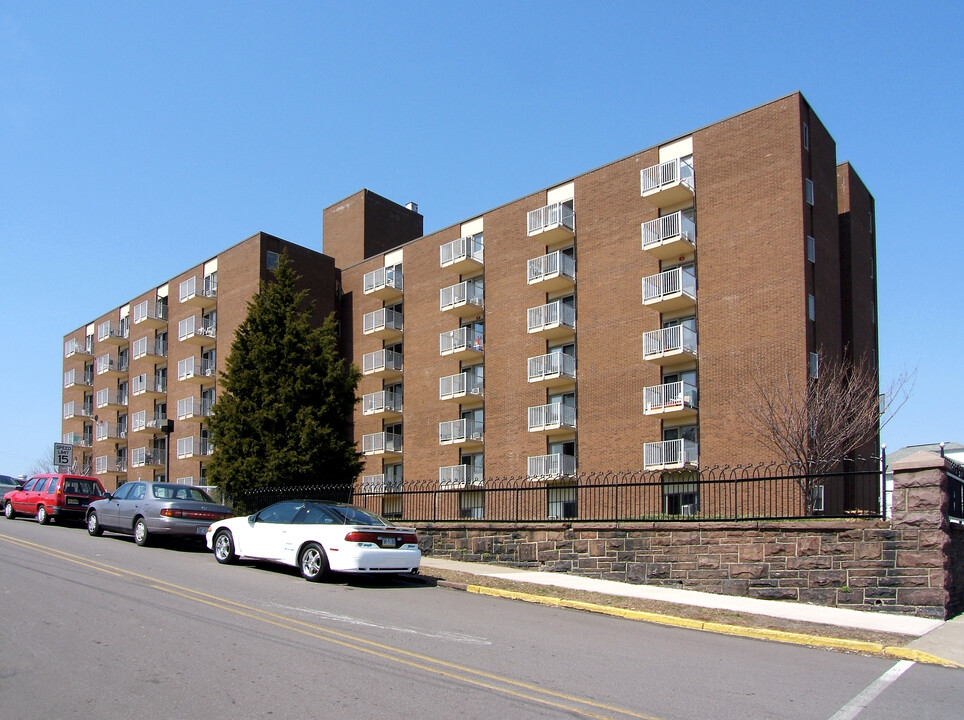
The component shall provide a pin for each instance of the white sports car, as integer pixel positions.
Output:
(317, 536)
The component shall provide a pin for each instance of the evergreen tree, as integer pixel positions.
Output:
(283, 414)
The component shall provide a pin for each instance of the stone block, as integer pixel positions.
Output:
(808, 545)
(836, 548)
(809, 563)
(657, 571)
(827, 578)
(752, 553)
(822, 596)
(749, 571)
(868, 551)
(920, 559)
(774, 593)
(736, 587)
(933, 540)
(709, 561)
(636, 572)
(921, 597)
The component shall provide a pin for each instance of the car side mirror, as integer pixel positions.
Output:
(108, 496)
(252, 519)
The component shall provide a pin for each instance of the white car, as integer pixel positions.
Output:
(317, 536)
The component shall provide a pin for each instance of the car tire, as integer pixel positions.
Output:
(8, 511)
(93, 525)
(42, 517)
(141, 536)
(223, 545)
(312, 562)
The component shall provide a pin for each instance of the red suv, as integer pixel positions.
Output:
(64, 497)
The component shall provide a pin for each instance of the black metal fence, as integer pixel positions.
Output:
(955, 482)
(774, 492)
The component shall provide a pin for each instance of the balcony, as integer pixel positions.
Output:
(552, 321)
(670, 290)
(669, 183)
(202, 294)
(149, 314)
(464, 299)
(76, 439)
(458, 477)
(463, 387)
(670, 455)
(385, 324)
(112, 333)
(554, 224)
(384, 283)
(670, 345)
(552, 419)
(386, 444)
(109, 431)
(154, 348)
(146, 458)
(149, 385)
(464, 255)
(381, 483)
(194, 409)
(108, 399)
(148, 425)
(462, 344)
(108, 465)
(75, 409)
(75, 377)
(551, 467)
(197, 370)
(552, 272)
(678, 399)
(385, 402)
(194, 447)
(197, 330)
(552, 370)
(464, 433)
(670, 236)
(109, 366)
(382, 363)
(75, 347)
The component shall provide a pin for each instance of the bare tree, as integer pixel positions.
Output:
(816, 423)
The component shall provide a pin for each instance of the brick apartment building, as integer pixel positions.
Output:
(608, 322)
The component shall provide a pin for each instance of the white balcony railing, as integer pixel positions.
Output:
(107, 464)
(194, 326)
(678, 171)
(145, 383)
(141, 457)
(669, 340)
(670, 396)
(381, 483)
(75, 409)
(381, 360)
(381, 442)
(469, 292)
(457, 476)
(109, 397)
(554, 264)
(75, 347)
(459, 431)
(670, 283)
(554, 465)
(669, 454)
(551, 315)
(188, 289)
(109, 431)
(459, 385)
(551, 416)
(141, 421)
(382, 401)
(461, 250)
(188, 447)
(193, 367)
(383, 278)
(668, 227)
(109, 330)
(383, 319)
(147, 310)
(552, 365)
(106, 363)
(551, 216)
(192, 407)
(148, 346)
(463, 339)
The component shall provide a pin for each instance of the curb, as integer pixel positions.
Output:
(820, 641)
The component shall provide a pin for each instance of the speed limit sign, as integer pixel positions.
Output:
(63, 454)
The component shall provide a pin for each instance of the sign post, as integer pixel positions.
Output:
(63, 456)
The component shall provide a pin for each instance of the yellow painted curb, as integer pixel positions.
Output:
(869, 648)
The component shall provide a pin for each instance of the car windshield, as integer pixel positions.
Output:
(351, 515)
(173, 491)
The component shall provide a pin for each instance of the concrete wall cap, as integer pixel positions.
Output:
(922, 460)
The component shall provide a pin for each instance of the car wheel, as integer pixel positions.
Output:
(42, 517)
(93, 525)
(8, 511)
(224, 547)
(140, 532)
(313, 562)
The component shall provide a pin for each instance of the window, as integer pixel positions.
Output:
(271, 260)
(808, 190)
(472, 505)
(813, 366)
(283, 512)
(681, 493)
(475, 467)
(811, 307)
(561, 502)
(806, 136)
(811, 249)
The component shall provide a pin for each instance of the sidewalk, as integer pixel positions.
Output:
(937, 641)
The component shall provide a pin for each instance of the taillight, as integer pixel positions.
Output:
(379, 538)
(192, 514)
(360, 537)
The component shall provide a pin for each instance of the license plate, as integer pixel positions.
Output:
(388, 542)
(201, 530)
(73, 501)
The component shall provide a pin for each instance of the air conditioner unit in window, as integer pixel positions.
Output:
(818, 498)
(688, 510)
(475, 391)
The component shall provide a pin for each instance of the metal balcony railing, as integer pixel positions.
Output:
(459, 385)
(678, 281)
(678, 171)
(554, 215)
(381, 360)
(668, 396)
(553, 465)
(465, 248)
(675, 225)
(381, 442)
(669, 454)
(554, 264)
(551, 365)
(554, 314)
(468, 292)
(677, 338)
(382, 401)
(459, 431)
(553, 415)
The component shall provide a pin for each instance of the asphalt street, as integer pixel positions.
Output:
(98, 627)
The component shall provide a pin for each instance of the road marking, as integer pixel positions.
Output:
(452, 671)
(349, 620)
(861, 701)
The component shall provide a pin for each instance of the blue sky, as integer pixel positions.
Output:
(137, 139)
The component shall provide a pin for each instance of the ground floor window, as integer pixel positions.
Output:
(562, 502)
(681, 493)
(472, 505)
